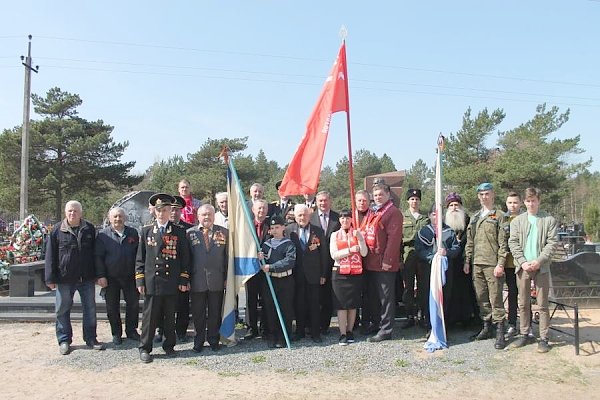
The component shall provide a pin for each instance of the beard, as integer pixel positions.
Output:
(455, 220)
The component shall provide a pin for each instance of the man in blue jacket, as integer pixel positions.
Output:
(116, 249)
(69, 268)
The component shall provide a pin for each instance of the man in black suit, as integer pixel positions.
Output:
(161, 273)
(329, 221)
(310, 271)
(256, 287)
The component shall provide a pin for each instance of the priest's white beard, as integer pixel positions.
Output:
(455, 220)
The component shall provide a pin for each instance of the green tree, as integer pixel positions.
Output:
(70, 157)
(529, 156)
(592, 221)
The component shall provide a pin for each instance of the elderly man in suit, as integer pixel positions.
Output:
(161, 272)
(329, 221)
(311, 263)
(208, 243)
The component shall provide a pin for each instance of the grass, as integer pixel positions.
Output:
(401, 363)
(191, 362)
(329, 363)
(258, 359)
(230, 374)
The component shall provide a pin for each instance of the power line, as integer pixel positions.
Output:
(419, 69)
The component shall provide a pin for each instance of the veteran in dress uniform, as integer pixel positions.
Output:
(161, 273)
(208, 243)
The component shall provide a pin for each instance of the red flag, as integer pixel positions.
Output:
(302, 175)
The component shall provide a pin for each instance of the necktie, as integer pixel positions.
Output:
(303, 237)
(324, 221)
(162, 231)
(206, 240)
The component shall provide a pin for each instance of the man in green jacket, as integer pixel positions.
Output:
(532, 242)
(486, 249)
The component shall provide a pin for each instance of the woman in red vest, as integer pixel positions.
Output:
(347, 247)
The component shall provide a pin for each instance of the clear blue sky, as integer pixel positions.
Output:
(168, 75)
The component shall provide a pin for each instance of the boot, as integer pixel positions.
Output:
(500, 342)
(485, 332)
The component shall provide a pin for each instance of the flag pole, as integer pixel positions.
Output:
(229, 162)
(343, 35)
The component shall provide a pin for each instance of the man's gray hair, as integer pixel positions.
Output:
(73, 203)
(221, 194)
(119, 210)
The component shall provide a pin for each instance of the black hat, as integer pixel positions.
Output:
(179, 202)
(277, 185)
(160, 200)
(276, 220)
(413, 193)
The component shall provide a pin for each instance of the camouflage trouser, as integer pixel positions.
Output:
(488, 290)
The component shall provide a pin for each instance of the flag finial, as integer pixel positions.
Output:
(343, 32)
(225, 154)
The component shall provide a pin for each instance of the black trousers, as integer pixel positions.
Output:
(307, 306)
(383, 299)
(182, 315)
(156, 309)
(326, 301)
(513, 294)
(284, 291)
(206, 313)
(113, 305)
(256, 292)
(414, 268)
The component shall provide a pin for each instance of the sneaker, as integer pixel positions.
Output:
(521, 341)
(350, 337)
(94, 345)
(64, 348)
(511, 331)
(543, 346)
(343, 340)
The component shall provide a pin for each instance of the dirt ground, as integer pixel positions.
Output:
(33, 368)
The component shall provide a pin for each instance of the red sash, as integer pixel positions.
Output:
(373, 224)
(352, 264)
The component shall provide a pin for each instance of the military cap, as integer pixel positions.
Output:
(413, 193)
(160, 200)
(485, 186)
(179, 202)
(277, 220)
(453, 197)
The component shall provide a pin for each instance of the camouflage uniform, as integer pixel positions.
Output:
(413, 265)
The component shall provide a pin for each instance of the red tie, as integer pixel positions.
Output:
(206, 241)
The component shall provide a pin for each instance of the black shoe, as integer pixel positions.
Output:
(145, 357)
(198, 349)
(170, 352)
(485, 332)
(117, 340)
(296, 337)
(279, 345)
(182, 338)
(369, 329)
(325, 331)
(350, 336)
(158, 338)
(64, 348)
(343, 341)
(215, 346)
(379, 338)
(409, 323)
(94, 345)
(543, 346)
(317, 339)
(250, 334)
(134, 336)
(521, 341)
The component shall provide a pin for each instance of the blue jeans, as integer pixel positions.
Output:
(64, 303)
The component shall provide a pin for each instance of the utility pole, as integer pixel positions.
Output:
(24, 193)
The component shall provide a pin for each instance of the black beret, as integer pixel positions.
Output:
(413, 193)
(277, 220)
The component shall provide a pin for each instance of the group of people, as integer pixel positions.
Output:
(318, 261)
